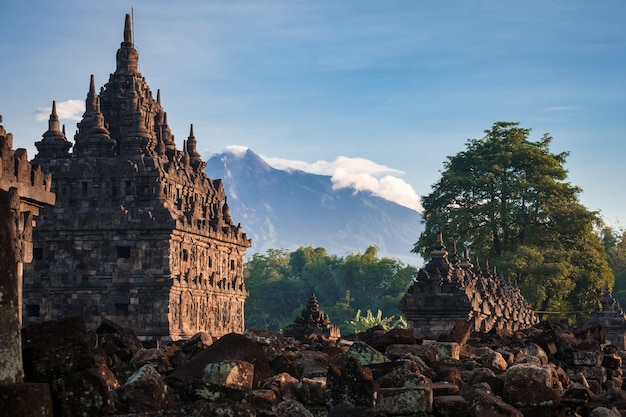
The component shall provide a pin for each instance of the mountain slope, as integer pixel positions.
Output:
(290, 208)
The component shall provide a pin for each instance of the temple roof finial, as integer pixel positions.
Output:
(226, 212)
(127, 56)
(53, 122)
(128, 29)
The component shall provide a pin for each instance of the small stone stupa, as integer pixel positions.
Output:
(612, 319)
(312, 322)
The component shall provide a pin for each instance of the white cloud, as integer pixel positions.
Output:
(236, 150)
(360, 174)
(66, 110)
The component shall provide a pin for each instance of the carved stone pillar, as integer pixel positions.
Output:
(23, 190)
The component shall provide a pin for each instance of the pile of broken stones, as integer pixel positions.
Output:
(543, 371)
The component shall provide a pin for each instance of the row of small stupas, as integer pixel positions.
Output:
(139, 233)
(447, 290)
(450, 289)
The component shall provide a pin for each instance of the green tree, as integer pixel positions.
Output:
(614, 242)
(280, 282)
(274, 293)
(506, 198)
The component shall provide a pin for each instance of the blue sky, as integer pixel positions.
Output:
(376, 93)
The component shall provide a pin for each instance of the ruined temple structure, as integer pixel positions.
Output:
(611, 317)
(312, 322)
(139, 235)
(450, 289)
(24, 190)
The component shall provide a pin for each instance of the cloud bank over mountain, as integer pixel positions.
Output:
(291, 208)
(359, 174)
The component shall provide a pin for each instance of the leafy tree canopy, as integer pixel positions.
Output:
(280, 283)
(507, 199)
(614, 242)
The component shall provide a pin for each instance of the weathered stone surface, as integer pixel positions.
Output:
(229, 347)
(155, 357)
(531, 397)
(108, 377)
(526, 372)
(292, 408)
(604, 412)
(197, 342)
(399, 373)
(139, 232)
(261, 399)
(83, 393)
(25, 400)
(312, 391)
(350, 410)
(273, 343)
(310, 364)
(143, 391)
(586, 358)
(445, 350)
(401, 401)
(365, 354)
(284, 386)
(353, 383)
(484, 404)
(614, 398)
(230, 374)
(612, 361)
(494, 361)
(119, 343)
(55, 349)
(594, 373)
(451, 406)
(395, 336)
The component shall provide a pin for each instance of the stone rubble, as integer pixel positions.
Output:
(541, 371)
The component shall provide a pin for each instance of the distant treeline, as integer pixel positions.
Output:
(280, 283)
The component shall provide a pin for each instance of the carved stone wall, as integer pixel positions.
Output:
(24, 189)
(139, 233)
(450, 289)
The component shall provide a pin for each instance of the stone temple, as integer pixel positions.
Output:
(449, 290)
(139, 233)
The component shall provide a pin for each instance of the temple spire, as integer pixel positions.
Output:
(127, 56)
(195, 159)
(128, 29)
(92, 98)
(54, 143)
(226, 212)
(53, 121)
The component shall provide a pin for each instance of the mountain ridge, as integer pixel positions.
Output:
(290, 208)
